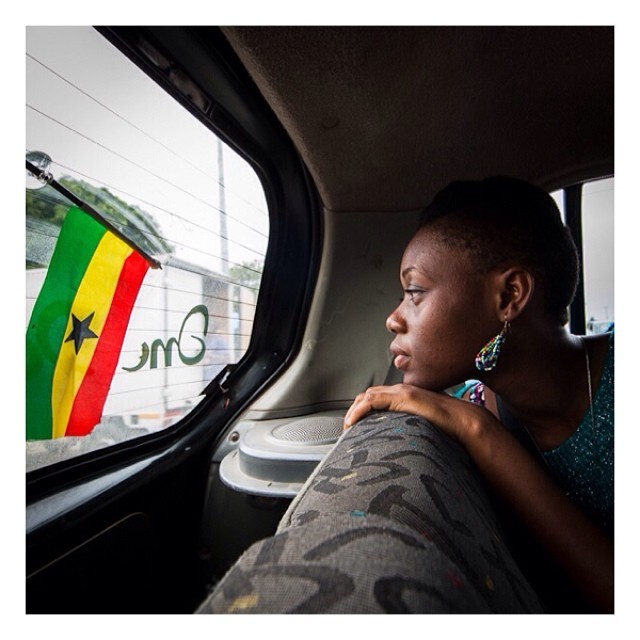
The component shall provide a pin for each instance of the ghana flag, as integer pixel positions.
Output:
(77, 327)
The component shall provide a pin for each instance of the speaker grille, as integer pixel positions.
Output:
(317, 430)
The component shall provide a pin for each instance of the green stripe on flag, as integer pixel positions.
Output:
(76, 244)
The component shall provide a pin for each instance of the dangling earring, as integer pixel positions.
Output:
(487, 358)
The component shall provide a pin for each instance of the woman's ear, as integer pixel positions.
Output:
(515, 287)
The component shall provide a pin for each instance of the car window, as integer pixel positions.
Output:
(174, 196)
(597, 247)
(597, 233)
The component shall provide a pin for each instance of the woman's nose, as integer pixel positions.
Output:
(395, 323)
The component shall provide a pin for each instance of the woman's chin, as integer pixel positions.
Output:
(410, 378)
(424, 382)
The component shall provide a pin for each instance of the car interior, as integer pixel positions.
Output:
(351, 132)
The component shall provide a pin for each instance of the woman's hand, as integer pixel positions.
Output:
(457, 418)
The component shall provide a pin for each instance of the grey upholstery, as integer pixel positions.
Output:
(394, 520)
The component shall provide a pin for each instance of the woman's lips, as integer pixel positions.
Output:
(400, 358)
(400, 361)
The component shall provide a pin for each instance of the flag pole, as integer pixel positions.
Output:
(47, 178)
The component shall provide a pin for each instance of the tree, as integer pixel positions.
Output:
(247, 274)
(46, 211)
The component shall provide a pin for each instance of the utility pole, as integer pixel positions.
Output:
(224, 241)
(224, 249)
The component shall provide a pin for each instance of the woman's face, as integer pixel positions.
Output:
(447, 314)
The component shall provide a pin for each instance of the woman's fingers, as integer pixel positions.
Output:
(357, 411)
(380, 398)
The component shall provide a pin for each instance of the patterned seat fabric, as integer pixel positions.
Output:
(394, 520)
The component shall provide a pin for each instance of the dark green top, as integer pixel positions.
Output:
(583, 464)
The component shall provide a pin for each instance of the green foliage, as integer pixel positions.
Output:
(47, 206)
(247, 274)
(46, 209)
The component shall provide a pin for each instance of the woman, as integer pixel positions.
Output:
(487, 282)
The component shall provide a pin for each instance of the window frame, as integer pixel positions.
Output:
(240, 117)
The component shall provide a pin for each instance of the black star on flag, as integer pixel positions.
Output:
(80, 331)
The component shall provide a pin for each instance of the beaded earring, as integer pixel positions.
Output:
(487, 357)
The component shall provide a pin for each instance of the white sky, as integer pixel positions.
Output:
(155, 154)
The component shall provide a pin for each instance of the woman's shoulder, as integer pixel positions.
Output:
(601, 353)
(605, 382)
(603, 340)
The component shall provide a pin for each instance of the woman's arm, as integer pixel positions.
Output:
(580, 547)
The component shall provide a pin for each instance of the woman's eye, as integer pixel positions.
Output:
(412, 294)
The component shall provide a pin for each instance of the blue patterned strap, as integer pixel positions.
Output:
(472, 389)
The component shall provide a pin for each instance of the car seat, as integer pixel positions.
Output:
(395, 519)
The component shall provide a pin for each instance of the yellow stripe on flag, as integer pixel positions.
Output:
(94, 295)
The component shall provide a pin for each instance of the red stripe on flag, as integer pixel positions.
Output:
(92, 394)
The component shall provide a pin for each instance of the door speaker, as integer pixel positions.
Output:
(311, 431)
(276, 459)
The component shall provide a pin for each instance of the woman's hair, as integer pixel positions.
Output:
(502, 222)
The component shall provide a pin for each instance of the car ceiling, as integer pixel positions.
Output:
(384, 117)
